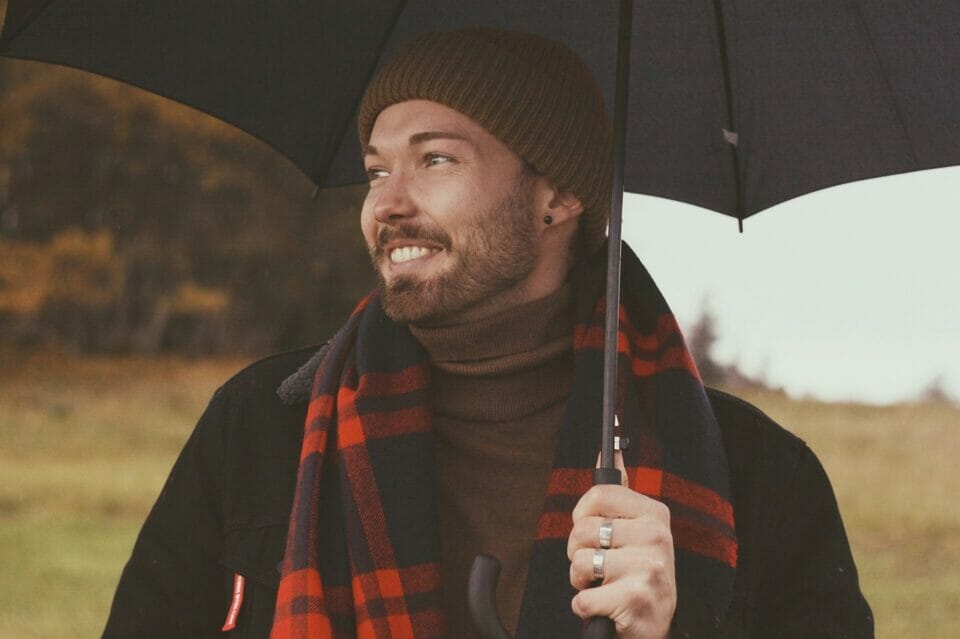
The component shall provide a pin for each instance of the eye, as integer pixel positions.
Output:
(434, 159)
(375, 172)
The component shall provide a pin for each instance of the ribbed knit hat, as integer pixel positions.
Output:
(534, 94)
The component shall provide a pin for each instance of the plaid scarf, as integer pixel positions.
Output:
(362, 556)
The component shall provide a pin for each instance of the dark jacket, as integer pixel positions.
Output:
(225, 509)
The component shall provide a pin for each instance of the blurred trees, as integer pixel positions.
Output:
(129, 223)
(702, 340)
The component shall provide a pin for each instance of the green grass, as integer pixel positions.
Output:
(85, 446)
(59, 573)
(84, 449)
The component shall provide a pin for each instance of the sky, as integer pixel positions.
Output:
(850, 293)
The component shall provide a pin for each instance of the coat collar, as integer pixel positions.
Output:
(296, 388)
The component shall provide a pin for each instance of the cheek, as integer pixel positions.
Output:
(368, 223)
(449, 208)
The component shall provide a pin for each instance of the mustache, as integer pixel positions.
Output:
(413, 233)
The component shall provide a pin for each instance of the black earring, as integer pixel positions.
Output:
(548, 219)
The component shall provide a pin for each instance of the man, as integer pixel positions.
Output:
(346, 491)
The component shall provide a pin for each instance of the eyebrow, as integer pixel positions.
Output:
(420, 138)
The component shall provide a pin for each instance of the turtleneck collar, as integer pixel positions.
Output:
(506, 366)
(509, 341)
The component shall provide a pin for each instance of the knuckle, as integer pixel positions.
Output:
(578, 570)
(590, 498)
(577, 580)
(577, 605)
(573, 542)
(652, 565)
(662, 511)
(582, 556)
(637, 601)
(579, 533)
(583, 506)
(663, 539)
(657, 574)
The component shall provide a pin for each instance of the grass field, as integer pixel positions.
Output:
(85, 446)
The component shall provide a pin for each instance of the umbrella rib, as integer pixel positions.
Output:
(324, 171)
(11, 29)
(885, 79)
(731, 133)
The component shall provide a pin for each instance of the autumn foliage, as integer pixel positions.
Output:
(130, 223)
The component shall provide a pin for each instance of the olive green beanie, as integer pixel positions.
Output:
(535, 95)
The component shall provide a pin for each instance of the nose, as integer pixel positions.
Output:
(393, 202)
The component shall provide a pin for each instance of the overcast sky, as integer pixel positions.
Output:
(848, 293)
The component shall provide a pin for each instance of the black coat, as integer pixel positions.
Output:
(226, 506)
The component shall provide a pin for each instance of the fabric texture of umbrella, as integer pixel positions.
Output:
(734, 106)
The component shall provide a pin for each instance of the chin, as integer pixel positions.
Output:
(404, 310)
(405, 301)
(410, 301)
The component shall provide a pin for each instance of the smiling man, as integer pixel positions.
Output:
(345, 491)
(449, 248)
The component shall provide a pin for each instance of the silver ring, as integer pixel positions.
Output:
(598, 557)
(606, 534)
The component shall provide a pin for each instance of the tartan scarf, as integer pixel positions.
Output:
(362, 555)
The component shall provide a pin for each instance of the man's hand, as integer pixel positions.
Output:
(639, 590)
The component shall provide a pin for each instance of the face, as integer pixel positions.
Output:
(450, 216)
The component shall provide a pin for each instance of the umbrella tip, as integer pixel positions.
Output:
(316, 192)
(740, 224)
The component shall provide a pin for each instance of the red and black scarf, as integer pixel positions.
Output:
(362, 557)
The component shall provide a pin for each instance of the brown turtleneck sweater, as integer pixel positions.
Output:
(498, 390)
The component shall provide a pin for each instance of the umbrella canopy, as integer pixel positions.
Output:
(733, 106)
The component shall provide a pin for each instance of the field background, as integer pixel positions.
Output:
(85, 445)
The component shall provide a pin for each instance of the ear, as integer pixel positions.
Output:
(561, 206)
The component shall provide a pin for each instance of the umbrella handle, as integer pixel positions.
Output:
(600, 628)
(482, 587)
(482, 590)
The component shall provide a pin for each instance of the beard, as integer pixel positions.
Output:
(496, 251)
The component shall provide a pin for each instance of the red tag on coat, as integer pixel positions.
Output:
(235, 603)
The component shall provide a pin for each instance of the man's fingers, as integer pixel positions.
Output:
(644, 531)
(600, 601)
(582, 573)
(586, 534)
(633, 608)
(640, 605)
(616, 564)
(618, 502)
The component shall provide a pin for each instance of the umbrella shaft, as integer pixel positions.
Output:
(612, 328)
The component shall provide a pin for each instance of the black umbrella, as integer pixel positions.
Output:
(732, 106)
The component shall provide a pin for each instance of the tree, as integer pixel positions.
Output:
(701, 340)
(936, 391)
(192, 209)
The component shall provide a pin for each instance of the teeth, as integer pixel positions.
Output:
(407, 253)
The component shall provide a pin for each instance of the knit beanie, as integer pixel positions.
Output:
(534, 94)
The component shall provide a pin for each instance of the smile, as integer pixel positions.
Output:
(402, 254)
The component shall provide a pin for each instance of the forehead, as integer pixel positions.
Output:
(396, 123)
